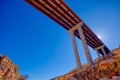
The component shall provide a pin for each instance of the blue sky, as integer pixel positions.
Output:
(42, 48)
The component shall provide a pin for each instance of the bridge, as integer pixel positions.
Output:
(59, 12)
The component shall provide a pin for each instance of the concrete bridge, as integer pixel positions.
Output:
(58, 11)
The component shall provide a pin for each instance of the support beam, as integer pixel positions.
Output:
(88, 56)
(75, 27)
(79, 66)
(102, 48)
(98, 53)
(99, 47)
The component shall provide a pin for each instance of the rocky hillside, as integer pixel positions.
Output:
(8, 70)
(104, 68)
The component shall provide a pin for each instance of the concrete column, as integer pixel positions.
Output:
(79, 66)
(84, 43)
(98, 53)
(101, 48)
(103, 51)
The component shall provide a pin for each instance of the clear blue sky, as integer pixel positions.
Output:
(41, 47)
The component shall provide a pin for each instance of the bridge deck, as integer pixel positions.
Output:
(58, 11)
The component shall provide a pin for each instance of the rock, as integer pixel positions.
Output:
(104, 68)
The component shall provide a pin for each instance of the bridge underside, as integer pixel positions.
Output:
(58, 11)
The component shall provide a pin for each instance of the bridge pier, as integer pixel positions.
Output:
(84, 43)
(98, 53)
(102, 48)
(76, 53)
(103, 51)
